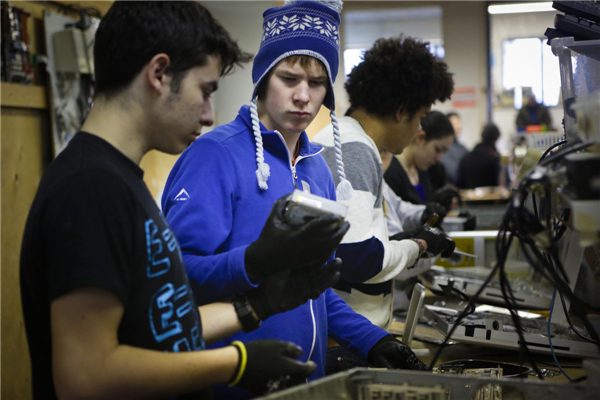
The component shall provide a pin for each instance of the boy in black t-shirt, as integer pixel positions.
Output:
(108, 309)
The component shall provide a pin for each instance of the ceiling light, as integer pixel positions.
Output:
(520, 8)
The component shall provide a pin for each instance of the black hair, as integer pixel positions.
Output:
(490, 134)
(436, 126)
(132, 32)
(398, 74)
(452, 114)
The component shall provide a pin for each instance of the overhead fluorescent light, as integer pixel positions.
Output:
(520, 8)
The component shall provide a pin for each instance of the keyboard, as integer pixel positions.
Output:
(583, 9)
(581, 20)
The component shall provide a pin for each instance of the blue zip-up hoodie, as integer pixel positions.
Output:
(216, 209)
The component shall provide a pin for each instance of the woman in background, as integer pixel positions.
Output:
(407, 174)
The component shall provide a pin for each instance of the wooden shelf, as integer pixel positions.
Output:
(23, 96)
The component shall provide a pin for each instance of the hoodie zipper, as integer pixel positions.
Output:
(293, 166)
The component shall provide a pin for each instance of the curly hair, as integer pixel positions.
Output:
(398, 73)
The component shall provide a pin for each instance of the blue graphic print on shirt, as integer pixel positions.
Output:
(169, 304)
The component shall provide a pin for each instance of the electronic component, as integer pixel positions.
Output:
(302, 205)
(364, 384)
(584, 9)
(483, 368)
(486, 392)
(577, 26)
(581, 20)
(528, 294)
(73, 51)
(414, 309)
(495, 330)
(16, 59)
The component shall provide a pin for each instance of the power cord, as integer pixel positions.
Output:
(550, 338)
(534, 236)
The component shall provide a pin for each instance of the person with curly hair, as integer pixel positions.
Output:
(390, 90)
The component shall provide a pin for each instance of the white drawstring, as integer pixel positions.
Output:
(344, 189)
(263, 170)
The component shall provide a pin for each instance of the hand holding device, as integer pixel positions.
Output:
(437, 242)
(291, 288)
(389, 352)
(434, 208)
(297, 233)
(265, 361)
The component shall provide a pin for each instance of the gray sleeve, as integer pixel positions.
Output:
(362, 168)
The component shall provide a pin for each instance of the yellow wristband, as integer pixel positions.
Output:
(243, 359)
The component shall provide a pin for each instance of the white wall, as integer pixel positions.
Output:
(364, 34)
(463, 35)
(243, 20)
(464, 42)
(364, 27)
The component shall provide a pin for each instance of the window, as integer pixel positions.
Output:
(353, 57)
(529, 63)
(363, 27)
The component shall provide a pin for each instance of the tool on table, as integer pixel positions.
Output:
(462, 253)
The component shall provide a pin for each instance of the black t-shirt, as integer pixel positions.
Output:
(398, 181)
(93, 223)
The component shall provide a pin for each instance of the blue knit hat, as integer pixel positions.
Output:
(300, 28)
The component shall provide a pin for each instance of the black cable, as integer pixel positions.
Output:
(463, 296)
(550, 258)
(580, 379)
(462, 315)
(510, 301)
(449, 289)
(590, 329)
(575, 145)
(563, 366)
(555, 145)
(514, 224)
(502, 254)
(525, 229)
(535, 210)
(564, 305)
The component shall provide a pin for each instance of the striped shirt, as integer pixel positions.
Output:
(370, 260)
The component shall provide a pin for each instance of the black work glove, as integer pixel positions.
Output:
(403, 235)
(389, 352)
(437, 242)
(291, 288)
(434, 208)
(271, 362)
(444, 196)
(284, 244)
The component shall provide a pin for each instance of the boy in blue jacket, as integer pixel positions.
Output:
(222, 188)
